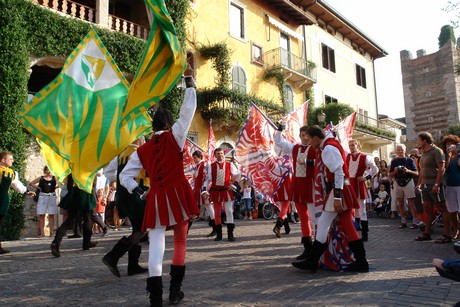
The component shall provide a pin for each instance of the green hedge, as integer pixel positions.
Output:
(29, 30)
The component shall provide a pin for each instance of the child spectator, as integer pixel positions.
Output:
(101, 202)
(382, 196)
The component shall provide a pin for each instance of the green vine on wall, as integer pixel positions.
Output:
(220, 56)
(278, 75)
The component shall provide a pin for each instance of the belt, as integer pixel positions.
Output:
(218, 189)
(48, 194)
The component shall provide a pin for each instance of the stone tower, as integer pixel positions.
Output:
(431, 90)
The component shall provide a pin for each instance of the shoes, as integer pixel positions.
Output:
(3, 251)
(413, 226)
(90, 245)
(55, 249)
(443, 239)
(423, 237)
(250, 218)
(403, 225)
(105, 231)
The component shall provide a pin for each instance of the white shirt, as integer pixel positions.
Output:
(233, 171)
(179, 131)
(333, 160)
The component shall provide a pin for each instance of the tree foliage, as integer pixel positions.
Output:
(447, 34)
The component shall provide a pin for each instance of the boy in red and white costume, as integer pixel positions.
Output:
(331, 174)
(199, 177)
(303, 156)
(220, 176)
(170, 200)
(361, 167)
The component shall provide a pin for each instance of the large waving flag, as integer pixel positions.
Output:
(255, 151)
(58, 166)
(211, 144)
(344, 130)
(78, 114)
(294, 121)
(189, 165)
(161, 66)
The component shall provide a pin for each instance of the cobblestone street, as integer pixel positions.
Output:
(253, 271)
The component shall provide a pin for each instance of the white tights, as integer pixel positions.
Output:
(156, 251)
(210, 210)
(324, 223)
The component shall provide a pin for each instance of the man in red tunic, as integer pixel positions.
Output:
(303, 156)
(361, 167)
(170, 200)
(220, 176)
(199, 176)
(336, 198)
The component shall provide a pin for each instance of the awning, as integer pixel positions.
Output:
(284, 28)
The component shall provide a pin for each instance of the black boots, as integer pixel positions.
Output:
(87, 244)
(277, 228)
(287, 228)
(112, 257)
(155, 288)
(230, 228)
(307, 243)
(218, 232)
(133, 261)
(364, 230)
(55, 248)
(212, 224)
(359, 253)
(177, 275)
(311, 262)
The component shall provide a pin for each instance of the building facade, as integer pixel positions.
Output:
(431, 89)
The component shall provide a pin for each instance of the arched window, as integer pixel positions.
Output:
(288, 98)
(239, 79)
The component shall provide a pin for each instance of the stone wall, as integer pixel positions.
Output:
(431, 88)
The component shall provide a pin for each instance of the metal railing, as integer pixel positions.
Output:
(373, 125)
(280, 57)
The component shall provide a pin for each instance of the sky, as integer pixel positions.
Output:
(396, 25)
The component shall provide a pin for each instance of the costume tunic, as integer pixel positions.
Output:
(303, 174)
(333, 157)
(8, 178)
(221, 175)
(199, 177)
(170, 200)
(360, 164)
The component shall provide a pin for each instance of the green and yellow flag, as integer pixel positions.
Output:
(161, 66)
(59, 166)
(78, 115)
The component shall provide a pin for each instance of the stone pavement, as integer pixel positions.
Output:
(253, 271)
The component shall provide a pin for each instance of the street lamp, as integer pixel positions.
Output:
(321, 118)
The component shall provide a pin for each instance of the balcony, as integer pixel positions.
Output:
(296, 69)
(90, 14)
(372, 131)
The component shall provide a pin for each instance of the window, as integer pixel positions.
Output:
(239, 79)
(329, 99)
(363, 115)
(328, 55)
(236, 21)
(193, 136)
(360, 76)
(256, 54)
(288, 98)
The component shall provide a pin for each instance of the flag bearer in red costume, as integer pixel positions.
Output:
(199, 176)
(334, 194)
(220, 176)
(361, 167)
(303, 156)
(170, 200)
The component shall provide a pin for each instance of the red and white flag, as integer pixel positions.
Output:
(254, 150)
(344, 131)
(189, 165)
(211, 144)
(294, 121)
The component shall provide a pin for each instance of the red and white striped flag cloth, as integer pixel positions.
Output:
(255, 151)
(211, 144)
(344, 131)
(294, 121)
